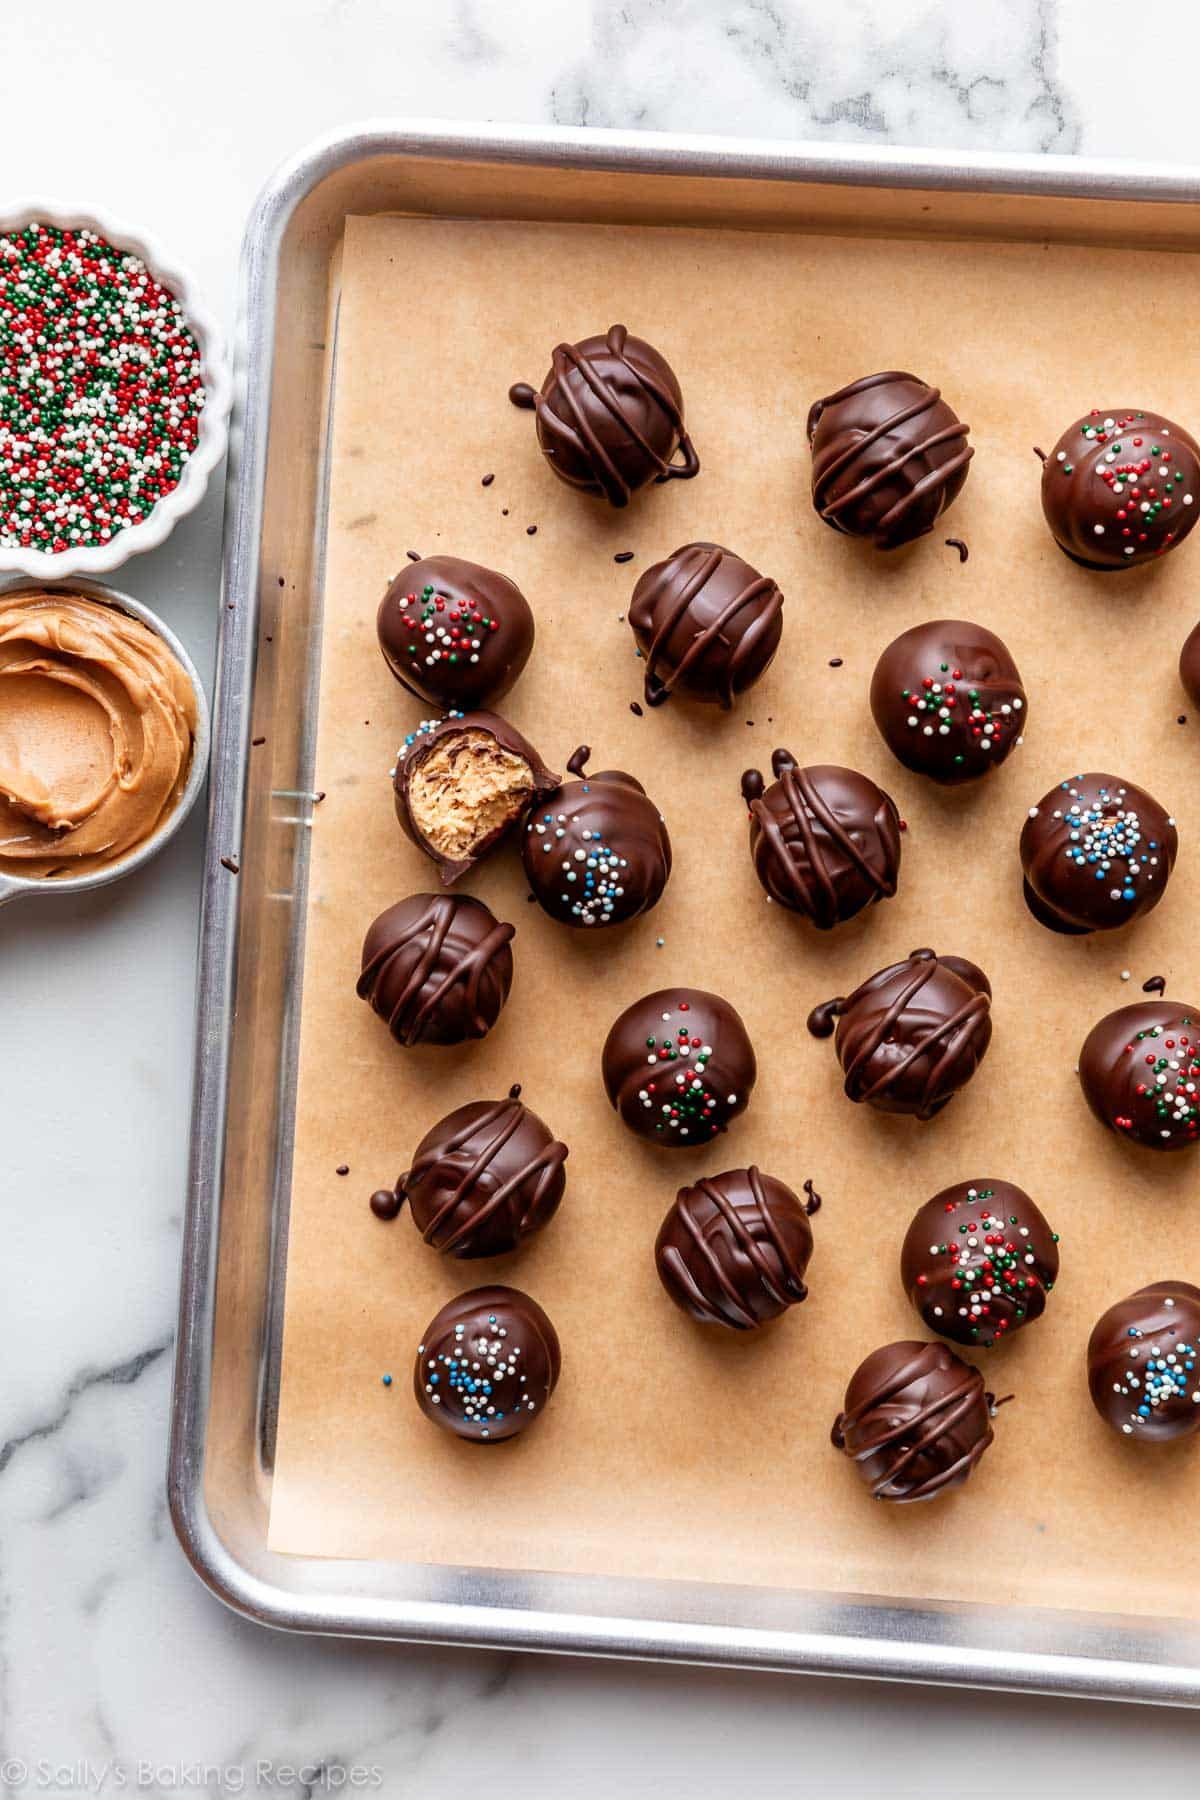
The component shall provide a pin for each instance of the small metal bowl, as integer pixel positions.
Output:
(12, 887)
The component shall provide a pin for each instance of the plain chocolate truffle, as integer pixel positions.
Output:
(948, 700)
(1120, 487)
(596, 852)
(734, 1247)
(610, 417)
(916, 1420)
(678, 1066)
(454, 633)
(462, 783)
(888, 455)
(1143, 1363)
(912, 1035)
(825, 841)
(978, 1261)
(1097, 852)
(1140, 1073)
(437, 968)
(487, 1365)
(706, 623)
(483, 1179)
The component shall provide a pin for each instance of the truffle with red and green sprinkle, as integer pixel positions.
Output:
(678, 1066)
(978, 1261)
(101, 390)
(455, 633)
(1121, 487)
(948, 700)
(1140, 1073)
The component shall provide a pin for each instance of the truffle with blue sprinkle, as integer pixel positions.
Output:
(1143, 1363)
(487, 1365)
(598, 851)
(1097, 852)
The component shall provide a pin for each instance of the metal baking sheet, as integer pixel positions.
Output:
(261, 802)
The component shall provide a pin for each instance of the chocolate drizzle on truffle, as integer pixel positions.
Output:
(678, 1066)
(610, 416)
(917, 1419)
(483, 1179)
(888, 458)
(437, 968)
(733, 1249)
(1139, 1069)
(597, 852)
(487, 1365)
(707, 624)
(911, 1035)
(1143, 1362)
(825, 841)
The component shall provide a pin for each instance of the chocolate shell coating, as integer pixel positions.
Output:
(461, 785)
(889, 456)
(610, 417)
(916, 1420)
(978, 1261)
(1097, 852)
(1120, 487)
(948, 700)
(706, 623)
(912, 1035)
(597, 852)
(437, 968)
(454, 633)
(1143, 1363)
(733, 1249)
(487, 1365)
(678, 1066)
(824, 841)
(483, 1179)
(1189, 665)
(1140, 1073)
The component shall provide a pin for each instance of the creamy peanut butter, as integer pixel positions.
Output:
(97, 725)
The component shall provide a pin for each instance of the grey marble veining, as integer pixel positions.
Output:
(109, 1648)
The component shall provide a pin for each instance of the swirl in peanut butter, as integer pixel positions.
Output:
(97, 727)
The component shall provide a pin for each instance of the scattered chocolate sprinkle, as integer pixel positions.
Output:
(1039, 453)
(1156, 985)
(514, 1092)
(749, 721)
(531, 531)
(957, 544)
(255, 742)
(487, 481)
(270, 639)
(342, 1169)
(282, 582)
(636, 709)
(623, 556)
(814, 1199)
(1182, 719)
(228, 862)
(386, 1204)
(318, 797)
(835, 662)
(413, 555)
(504, 512)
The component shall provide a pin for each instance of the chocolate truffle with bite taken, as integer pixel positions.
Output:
(462, 783)
(610, 417)
(487, 1365)
(437, 968)
(454, 633)
(825, 841)
(912, 1035)
(596, 852)
(888, 455)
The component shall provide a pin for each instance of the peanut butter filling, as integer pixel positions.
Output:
(465, 790)
(97, 725)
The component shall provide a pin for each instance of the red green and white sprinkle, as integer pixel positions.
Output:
(100, 389)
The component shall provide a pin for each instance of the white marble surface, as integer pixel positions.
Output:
(111, 1654)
